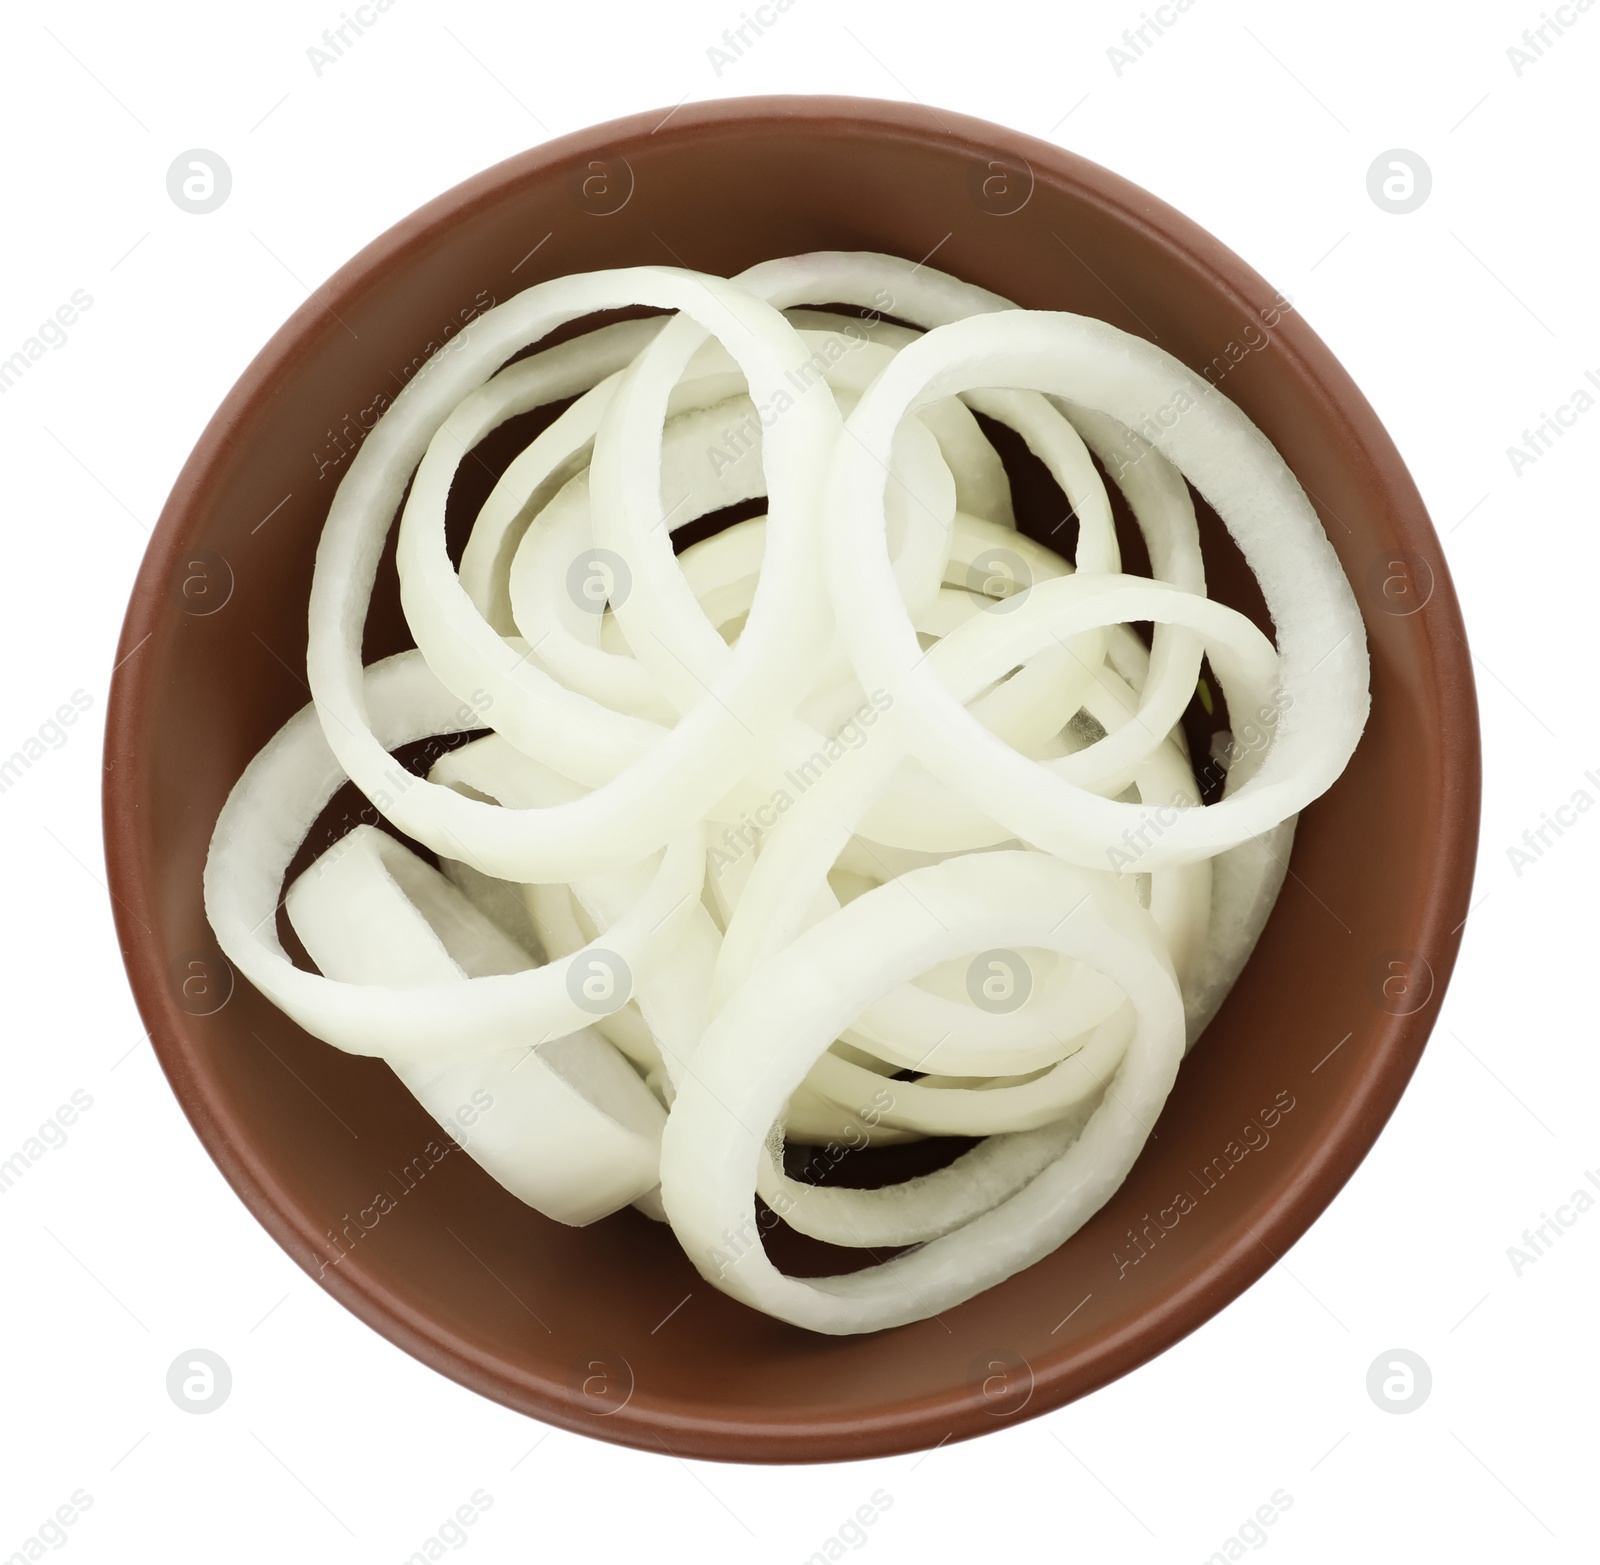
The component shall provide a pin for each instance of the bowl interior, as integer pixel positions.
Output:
(609, 1330)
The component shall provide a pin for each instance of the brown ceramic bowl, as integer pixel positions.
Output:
(589, 1329)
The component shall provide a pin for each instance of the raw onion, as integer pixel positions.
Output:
(865, 819)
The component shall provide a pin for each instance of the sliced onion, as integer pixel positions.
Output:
(717, 1131)
(268, 815)
(566, 1127)
(758, 821)
(1320, 636)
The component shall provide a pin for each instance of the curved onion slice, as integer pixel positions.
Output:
(567, 1126)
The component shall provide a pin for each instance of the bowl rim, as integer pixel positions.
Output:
(1356, 1121)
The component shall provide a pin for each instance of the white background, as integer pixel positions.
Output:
(1464, 322)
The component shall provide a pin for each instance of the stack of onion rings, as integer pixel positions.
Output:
(863, 820)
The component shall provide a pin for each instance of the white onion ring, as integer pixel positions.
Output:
(268, 814)
(1321, 638)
